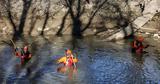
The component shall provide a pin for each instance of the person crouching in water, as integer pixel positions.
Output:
(137, 45)
(24, 54)
(70, 65)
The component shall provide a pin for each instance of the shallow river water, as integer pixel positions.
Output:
(99, 62)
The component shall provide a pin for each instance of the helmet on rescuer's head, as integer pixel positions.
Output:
(68, 51)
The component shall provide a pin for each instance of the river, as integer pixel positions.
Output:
(100, 62)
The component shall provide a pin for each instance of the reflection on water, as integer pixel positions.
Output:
(99, 63)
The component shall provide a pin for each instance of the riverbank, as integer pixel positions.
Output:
(115, 19)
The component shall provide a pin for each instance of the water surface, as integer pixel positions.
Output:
(99, 62)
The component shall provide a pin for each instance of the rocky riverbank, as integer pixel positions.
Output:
(109, 19)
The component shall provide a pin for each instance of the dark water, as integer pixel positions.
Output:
(99, 63)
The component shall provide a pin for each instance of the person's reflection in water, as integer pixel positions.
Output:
(71, 71)
(138, 58)
(19, 67)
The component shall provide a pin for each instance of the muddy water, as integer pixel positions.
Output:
(99, 62)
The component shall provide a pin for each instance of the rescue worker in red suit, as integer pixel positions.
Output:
(137, 45)
(24, 54)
